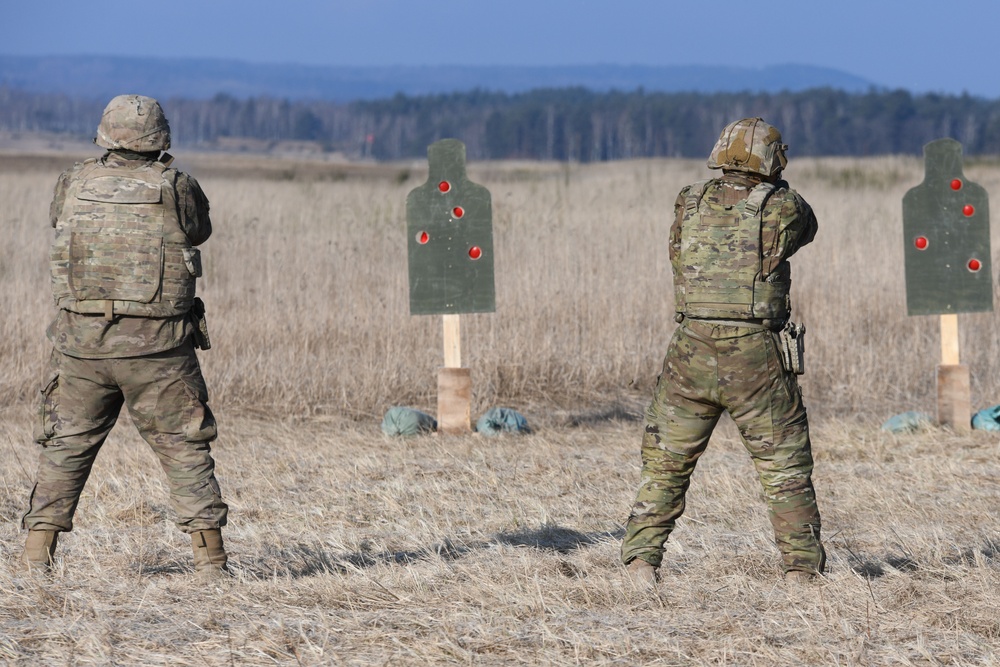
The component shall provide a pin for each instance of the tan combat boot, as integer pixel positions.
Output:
(39, 550)
(209, 555)
(641, 573)
(800, 578)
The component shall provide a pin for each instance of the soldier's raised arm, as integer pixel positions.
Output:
(192, 209)
(59, 197)
(675, 228)
(789, 224)
(798, 222)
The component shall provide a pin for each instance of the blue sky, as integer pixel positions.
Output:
(920, 45)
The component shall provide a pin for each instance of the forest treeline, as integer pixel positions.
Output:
(554, 124)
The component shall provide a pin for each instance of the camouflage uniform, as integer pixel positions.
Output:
(123, 274)
(729, 245)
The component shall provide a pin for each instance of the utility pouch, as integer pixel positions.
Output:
(201, 339)
(791, 341)
(192, 261)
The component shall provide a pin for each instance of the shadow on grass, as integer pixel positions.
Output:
(552, 538)
(305, 560)
(990, 550)
(171, 568)
(868, 569)
(617, 412)
(873, 568)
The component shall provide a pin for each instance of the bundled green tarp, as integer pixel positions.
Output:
(502, 420)
(400, 421)
(984, 420)
(907, 421)
(987, 420)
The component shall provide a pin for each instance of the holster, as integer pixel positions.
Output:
(791, 342)
(197, 314)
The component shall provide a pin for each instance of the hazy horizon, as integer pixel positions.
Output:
(924, 48)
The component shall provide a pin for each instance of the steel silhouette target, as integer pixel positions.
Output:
(449, 222)
(946, 235)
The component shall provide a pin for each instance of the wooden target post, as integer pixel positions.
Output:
(946, 229)
(449, 222)
(954, 383)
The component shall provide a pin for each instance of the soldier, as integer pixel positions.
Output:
(123, 267)
(730, 242)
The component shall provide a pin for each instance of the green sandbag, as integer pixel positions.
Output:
(987, 420)
(502, 420)
(906, 422)
(400, 421)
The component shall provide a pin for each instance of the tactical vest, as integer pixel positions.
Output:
(119, 247)
(721, 264)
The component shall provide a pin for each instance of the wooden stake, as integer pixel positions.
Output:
(454, 400)
(452, 341)
(949, 339)
(954, 400)
(454, 382)
(954, 386)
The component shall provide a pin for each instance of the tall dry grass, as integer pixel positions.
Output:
(353, 549)
(308, 305)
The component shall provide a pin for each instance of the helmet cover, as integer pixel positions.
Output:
(749, 145)
(135, 123)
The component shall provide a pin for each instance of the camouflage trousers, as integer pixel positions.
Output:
(167, 400)
(708, 369)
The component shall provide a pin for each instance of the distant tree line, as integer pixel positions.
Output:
(556, 124)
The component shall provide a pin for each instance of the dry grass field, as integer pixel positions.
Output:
(350, 548)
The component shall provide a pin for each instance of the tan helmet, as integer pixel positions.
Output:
(134, 123)
(749, 145)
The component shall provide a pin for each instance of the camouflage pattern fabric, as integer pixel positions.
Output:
(91, 336)
(720, 264)
(94, 337)
(148, 364)
(714, 367)
(167, 400)
(133, 122)
(749, 145)
(708, 369)
(119, 245)
(192, 204)
(787, 224)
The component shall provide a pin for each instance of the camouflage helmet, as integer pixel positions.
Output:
(749, 145)
(134, 123)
